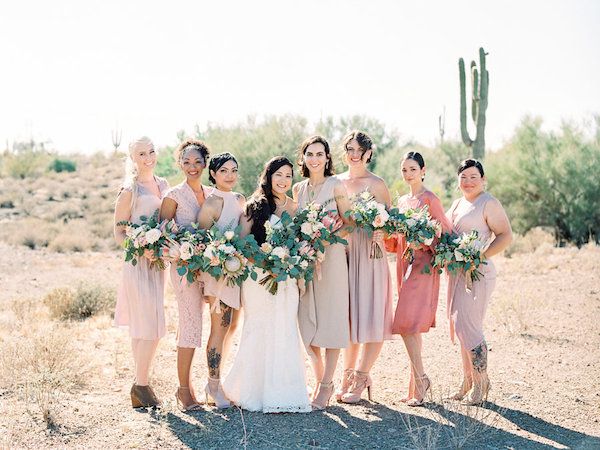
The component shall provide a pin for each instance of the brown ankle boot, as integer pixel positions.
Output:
(143, 397)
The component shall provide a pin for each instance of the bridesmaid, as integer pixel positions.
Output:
(223, 208)
(475, 210)
(183, 202)
(371, 296)
(323, 314)
(140, 297)
(418, 295)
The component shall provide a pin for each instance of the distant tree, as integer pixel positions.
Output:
(550, 179)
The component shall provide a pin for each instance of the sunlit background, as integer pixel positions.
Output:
(73, 71)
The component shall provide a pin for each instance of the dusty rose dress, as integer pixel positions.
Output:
(228, 220)
(371, 295)
(466, 310)
(190, 301)
(417, 296)
(141, 291)
(323, 313)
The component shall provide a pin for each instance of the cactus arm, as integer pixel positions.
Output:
(463, 105)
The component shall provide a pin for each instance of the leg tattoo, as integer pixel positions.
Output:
(479, 357)
(214, 361)
(226, 319)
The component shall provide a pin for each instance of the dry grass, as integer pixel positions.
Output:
(86, 301)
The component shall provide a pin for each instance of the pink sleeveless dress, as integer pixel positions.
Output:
(140, 297)
(466, 310)
(228, 220)
(323, 313)
(417, 296)
(190, 301)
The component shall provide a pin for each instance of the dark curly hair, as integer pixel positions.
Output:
(191, 144)
(329, 170)
(261, 204)
(217, 161)
(364, 141)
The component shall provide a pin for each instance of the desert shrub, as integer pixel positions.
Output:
(40, 367)
(547, 179)
(30, 232)
(62, 165)
(86, 301)
(534, 239)
(27, 159)
(74, 236)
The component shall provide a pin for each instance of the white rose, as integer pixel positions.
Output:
(304, 264)
(428, 241)
(153, 235)
(266, 247)
(411, 223)
(228, 249)
(209, 252)
(458, 256)
(306, 228)
(229, 235)
(280, 252)
(185, 251)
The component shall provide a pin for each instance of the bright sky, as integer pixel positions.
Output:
(72, 70)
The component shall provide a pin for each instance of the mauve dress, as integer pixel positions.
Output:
(466, 310)
(228, 220)
(140, 297)
(323, 313)
(190, 301)
(371, 294)
(417, 296)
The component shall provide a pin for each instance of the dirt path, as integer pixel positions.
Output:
(544, 365)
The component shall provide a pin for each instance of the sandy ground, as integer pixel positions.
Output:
(544, 366)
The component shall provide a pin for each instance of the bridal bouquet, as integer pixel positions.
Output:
(418, 228)
(151, 234)
(225, 256)
(283, 255)
(461, 253)
(370, 215)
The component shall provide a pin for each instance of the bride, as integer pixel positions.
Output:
(268, 373)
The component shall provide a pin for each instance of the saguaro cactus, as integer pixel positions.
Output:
(479, 103)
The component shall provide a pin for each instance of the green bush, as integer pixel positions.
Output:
(549, 179)
(78, 304)
(63, 165)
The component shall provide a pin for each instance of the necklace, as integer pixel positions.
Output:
(416, 194)
(312, 189)
(284, 203)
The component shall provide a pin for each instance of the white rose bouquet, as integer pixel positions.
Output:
(284, 255)
(418, 229)
(370, 215)
(461, 253)
(150, 234)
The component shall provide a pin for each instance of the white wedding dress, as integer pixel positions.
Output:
(268, 373)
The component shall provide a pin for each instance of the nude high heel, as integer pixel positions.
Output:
(346, 383)
(323, 396)
(478, 394)
(419, 401)
(360, 382)
(194, 406)
(214, 391)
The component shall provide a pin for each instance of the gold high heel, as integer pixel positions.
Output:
(143, 397)
(214, 391)
(478, 394)
(346, 383)
(461, 392)
(361, 380)
(324, 403)
(416, 401)
(194, 406)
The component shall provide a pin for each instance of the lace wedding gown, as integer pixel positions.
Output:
(268, 373)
